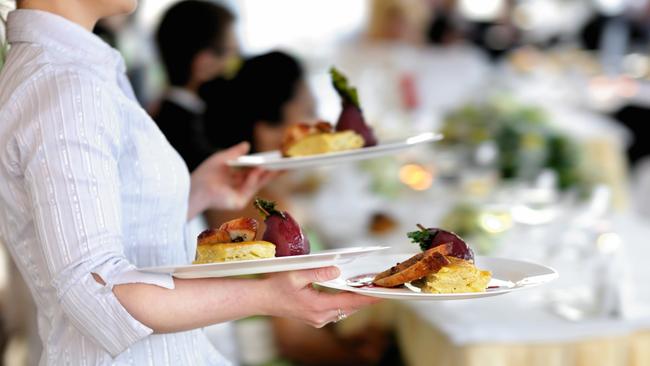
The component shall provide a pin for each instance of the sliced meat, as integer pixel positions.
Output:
(412, 269)
(443, 249)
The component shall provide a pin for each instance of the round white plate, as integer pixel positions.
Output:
(508, 274)
(275, 161)
(279, 264)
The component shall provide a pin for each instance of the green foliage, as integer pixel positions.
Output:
(464, 220)
(267, 208)
(421, 237)
(526, 142)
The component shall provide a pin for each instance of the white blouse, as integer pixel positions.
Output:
(89, 185)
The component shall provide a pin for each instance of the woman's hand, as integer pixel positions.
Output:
(215, 185)
(290, 295)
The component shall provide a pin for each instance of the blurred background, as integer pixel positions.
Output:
(544, 105)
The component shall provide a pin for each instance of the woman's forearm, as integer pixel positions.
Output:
(197, 303)
(192, 303)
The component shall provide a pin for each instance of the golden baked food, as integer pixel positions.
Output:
(232, 241)
(457, 277)
(226, 252)
(302, 140)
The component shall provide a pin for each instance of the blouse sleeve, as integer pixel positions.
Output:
(69, 149)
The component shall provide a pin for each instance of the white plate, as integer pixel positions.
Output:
(509, 274)
(224, 269)
(274, 161)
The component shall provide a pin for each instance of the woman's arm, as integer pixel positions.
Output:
(200, 302)
(216, 185)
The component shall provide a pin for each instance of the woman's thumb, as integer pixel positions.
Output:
(320, 274)
(236, 150)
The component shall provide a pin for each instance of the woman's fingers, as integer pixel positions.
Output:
(306, 277)
(235, 151)
(347, 301)
(253, 182)
(340, 306)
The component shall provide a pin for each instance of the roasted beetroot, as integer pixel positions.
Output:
(432, 237)
(351, 117)
(282, 230)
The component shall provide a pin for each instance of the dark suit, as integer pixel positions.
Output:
(184, 130)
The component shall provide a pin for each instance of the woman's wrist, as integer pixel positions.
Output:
(198, 199)
(263, 300)
(253, 297)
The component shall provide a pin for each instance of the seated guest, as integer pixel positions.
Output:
(268, 93)
(196, 41)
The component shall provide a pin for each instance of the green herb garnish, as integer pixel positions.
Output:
(423, 237)
(346, 92)
(267, 208)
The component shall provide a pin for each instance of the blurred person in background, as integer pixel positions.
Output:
(613, 36)
(268, 94)
(196, 41)
(403, 21)
(445, 27)
(499, 35)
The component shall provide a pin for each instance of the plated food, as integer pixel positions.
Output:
(232, 241)
(351, 132)
(508, 275)
(273, 160)
(303, 139)
(351, 117)
(350, 139)
(446, 265)
(235, 240)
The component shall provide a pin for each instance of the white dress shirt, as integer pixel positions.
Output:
(89, 185)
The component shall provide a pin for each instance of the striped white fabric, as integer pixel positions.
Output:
(88, 184)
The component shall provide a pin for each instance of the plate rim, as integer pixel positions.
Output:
(423, 137)
(188, 268)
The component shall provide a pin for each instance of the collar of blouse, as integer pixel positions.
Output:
(72, 40)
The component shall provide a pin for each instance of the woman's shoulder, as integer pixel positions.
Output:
(54, 96)
(53, 92)
(29, 74)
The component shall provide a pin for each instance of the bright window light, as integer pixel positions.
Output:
(482, 10)
(299, 25)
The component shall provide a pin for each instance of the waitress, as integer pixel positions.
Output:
(91, 189)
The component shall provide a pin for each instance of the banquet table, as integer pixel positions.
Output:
(422, 343)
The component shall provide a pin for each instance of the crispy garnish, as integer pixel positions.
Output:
(241, 229)
(213, 236)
